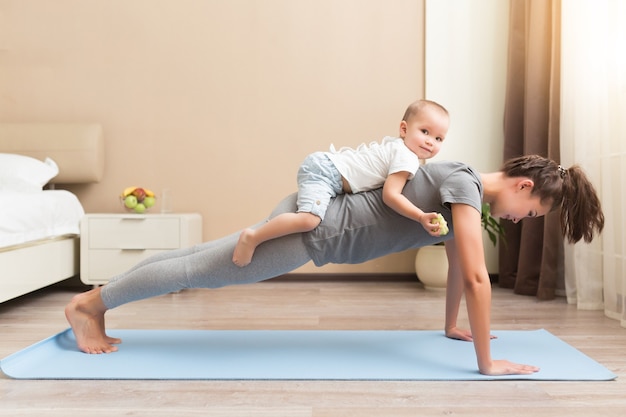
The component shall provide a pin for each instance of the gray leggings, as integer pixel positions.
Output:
(208, 265)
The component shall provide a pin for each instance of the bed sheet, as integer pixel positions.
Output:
(31, 216)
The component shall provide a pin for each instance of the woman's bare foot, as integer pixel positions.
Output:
(245, 248)
(85, 313)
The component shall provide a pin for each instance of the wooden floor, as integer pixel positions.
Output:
(300, 303)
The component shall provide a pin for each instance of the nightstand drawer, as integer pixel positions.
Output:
(113, 243)
(106, 263)
(134, 233)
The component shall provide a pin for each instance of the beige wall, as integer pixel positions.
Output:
(220, 100)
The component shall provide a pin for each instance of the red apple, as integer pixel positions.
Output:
(140, 193)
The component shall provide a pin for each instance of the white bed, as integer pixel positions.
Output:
(39, 229)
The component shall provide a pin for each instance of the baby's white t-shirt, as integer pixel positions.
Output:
(368, 166)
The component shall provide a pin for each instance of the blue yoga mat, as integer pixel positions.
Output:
(297, 355)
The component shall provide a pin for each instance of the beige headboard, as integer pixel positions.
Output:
(77, 148)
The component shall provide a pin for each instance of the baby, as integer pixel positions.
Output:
(389, 163)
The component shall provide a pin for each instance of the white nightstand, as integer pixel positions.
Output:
(112, 243)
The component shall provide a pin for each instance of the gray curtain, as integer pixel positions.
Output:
(531, 261)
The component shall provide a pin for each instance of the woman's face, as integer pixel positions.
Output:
(516, 203)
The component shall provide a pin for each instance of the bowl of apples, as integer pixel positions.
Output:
(137, 199)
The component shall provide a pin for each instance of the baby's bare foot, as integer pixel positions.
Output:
(244, 249)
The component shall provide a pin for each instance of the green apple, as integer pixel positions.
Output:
(139, 208)
(148, 202)
(443, 225)
(130, 201)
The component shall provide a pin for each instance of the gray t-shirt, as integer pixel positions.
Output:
(360, 227)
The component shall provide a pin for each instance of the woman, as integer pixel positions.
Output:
(359, 227)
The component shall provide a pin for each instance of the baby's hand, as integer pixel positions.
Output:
(434, 224)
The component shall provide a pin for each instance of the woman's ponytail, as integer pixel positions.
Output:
(581, 210)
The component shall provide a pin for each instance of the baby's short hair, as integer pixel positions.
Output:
(415, 107)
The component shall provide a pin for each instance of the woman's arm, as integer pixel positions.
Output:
(454, 293)
(470, 261)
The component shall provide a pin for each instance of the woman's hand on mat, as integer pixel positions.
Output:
(462, 334)
(503, 367)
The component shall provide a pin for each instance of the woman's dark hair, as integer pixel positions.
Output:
(566, 189)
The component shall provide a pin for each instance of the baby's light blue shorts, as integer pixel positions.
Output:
(318, 181)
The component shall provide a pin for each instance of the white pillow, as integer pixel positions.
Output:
(23, 173)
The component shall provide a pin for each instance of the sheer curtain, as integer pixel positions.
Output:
(593, 134)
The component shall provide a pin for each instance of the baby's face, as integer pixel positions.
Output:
(425, 132)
